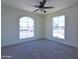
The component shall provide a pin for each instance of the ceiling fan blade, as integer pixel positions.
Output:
(36, 10)
(36, 6)
(44, 1)
(47, 7)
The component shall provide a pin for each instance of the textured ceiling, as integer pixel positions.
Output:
(28, 4)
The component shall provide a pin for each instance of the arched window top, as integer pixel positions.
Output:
(26, 18)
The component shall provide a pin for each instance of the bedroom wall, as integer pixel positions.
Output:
(43, 25)
(71, 25)
(10, 25)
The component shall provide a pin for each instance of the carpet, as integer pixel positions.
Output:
(39, 49)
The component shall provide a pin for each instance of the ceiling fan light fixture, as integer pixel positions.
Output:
(42, 6)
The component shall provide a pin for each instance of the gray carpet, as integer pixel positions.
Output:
(39, 49)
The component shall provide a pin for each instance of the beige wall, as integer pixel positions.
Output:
(43, 25)
(10, 25)
(71, 24)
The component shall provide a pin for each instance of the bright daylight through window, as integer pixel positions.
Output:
(59, 27)
(26, 27)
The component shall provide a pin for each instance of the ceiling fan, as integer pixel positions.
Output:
(42, 6)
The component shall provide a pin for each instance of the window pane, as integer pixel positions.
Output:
(23, 34)
(55, 21)
(61, 21)
(26, 27)
(59, 26)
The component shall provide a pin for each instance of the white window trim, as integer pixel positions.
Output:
(64, 27)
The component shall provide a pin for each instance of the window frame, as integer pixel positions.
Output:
(27, 32)
(64, 26)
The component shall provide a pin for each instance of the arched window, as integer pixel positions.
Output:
(26, 27)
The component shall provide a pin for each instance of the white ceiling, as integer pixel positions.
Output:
(28, 4)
